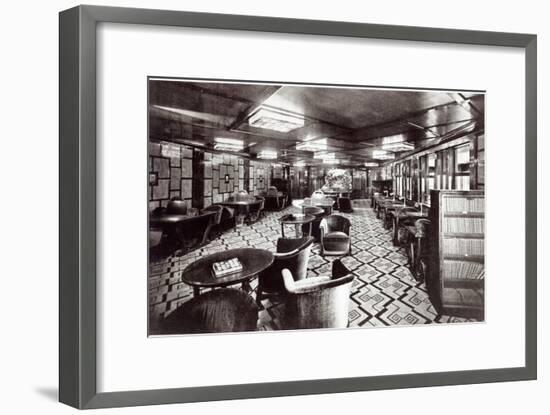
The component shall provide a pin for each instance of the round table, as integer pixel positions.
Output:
(199, 273)
(297, 220)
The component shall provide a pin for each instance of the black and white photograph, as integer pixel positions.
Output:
(279, 206)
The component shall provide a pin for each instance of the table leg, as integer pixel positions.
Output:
(282, 230)
(246, 286)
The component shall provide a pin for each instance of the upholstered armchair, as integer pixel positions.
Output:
(318, 302)
(216, 219)
(401, 219)
(318, 194)
(335, 235)
(274, 200)
(216, 311)
(292, 254)
(176, 206)
(344, 205)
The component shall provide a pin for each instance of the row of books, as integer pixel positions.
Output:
(461, 204)
(457, 246)
(457, 270)
(464, 225)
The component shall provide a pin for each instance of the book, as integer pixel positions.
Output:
(222, 268)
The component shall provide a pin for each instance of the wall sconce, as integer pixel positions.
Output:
(226, 178)
(261, 178)
(153, 179)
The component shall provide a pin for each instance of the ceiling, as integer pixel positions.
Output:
(347, 124)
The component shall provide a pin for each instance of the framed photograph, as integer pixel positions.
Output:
(258, 207)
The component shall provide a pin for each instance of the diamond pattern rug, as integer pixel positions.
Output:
(384, 293)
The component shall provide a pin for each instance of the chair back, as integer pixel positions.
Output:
(272, 191)
(336, 223)
(218, 210)
(292, 254)
(158, 211)
(176, 206)
(321, 303)
(422, 228)
(217, 311)
(314, 211)
(401, 211)
(344, 204)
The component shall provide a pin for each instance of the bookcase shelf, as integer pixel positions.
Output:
(455, 280)
(464, 214)
(463, 235)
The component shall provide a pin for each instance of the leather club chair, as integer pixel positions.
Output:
(401, 219)
(274, 200)
(335, 235)
(292, 254)
(318, 302)
(176, 206)
(344, 205)
(217, 311)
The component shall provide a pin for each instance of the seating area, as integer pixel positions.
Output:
(258, 230)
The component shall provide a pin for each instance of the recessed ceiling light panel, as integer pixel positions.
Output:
(275, 119)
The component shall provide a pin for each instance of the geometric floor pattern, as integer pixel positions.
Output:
(384, 293)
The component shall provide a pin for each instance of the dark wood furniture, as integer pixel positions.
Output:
(326, 205)
(292, 254)
(217, 311)
(456, 277)
(335, 235)
(318, 302)
(418, 248)
(344, 205)
(318, 213)
(183, 232)
(404, 216)
(297, 220)
(275, 199)
(199, 273)
(242, 208)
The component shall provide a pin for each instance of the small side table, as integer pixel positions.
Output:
(297, 219)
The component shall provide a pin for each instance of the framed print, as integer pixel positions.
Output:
(242, 198)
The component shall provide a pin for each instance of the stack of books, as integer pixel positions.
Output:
(226, 267)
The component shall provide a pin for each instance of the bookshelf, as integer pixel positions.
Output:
(456, 277)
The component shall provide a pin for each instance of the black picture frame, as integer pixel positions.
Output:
(77, 201)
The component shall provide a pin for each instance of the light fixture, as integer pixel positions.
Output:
(404, 146)
(382, 155)
(228, 144)
(371, 164)
(324, 156)
(331, 161)
(267, 154)
(300, 164)
(313, 145)
(275, 119)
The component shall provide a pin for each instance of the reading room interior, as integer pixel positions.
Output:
(289, 206)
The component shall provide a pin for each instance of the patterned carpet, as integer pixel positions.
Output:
(384, 293)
